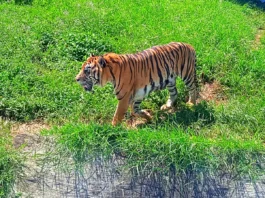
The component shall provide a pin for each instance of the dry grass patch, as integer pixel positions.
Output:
(33, 127)
(257, 41)
(212, 91)
(27, 133)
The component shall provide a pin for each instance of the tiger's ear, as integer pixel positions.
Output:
(102, 62)
(92, 55)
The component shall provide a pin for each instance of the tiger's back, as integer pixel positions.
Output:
(155, 68)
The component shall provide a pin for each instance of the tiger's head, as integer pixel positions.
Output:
(91, 72)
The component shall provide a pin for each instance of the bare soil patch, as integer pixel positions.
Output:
(30, 127)
(259, 35)
(212, 91)
(27, 133)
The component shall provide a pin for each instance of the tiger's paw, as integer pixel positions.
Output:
(146, 115)
(116, 121)
(141, 118)
(165, 107)
(190, 105)
(131, 121)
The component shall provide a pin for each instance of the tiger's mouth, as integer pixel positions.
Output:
(89, 84)
(88, 88)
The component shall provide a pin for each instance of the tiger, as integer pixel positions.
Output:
(135, 76)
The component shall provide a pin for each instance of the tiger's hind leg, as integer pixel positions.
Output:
(193, 90)
(136, 111)
(191, 82)
(192, 96)
(173, 94)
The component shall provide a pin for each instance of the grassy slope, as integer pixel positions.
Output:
(43, 45)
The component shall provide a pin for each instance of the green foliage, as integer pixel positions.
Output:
(39, 57)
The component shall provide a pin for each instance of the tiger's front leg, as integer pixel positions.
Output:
(120, 111)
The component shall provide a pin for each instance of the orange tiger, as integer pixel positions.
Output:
(134, 76)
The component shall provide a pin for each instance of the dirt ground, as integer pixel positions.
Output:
(257, 41)
(212, 91)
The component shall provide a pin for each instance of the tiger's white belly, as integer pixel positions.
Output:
(142, 93)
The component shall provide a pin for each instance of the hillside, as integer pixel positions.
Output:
(44, 42)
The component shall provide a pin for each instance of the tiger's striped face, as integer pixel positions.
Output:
(90, 73)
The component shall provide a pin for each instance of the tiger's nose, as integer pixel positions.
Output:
(77, 79)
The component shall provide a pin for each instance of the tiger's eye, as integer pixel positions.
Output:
(87, 70)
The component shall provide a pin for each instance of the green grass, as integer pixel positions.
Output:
(43, 44)
(11, 161)
(159, 148)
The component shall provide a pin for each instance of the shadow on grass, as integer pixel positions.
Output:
(197, 116)
(200, 113)
(23, 2)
